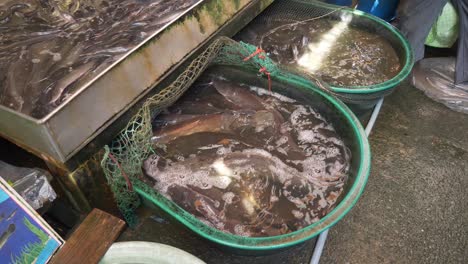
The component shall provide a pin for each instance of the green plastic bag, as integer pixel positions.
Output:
(444, 32)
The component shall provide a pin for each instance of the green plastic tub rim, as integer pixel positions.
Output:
(397, 79)
(286, 240)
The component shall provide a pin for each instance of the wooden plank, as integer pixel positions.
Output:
(91, 239)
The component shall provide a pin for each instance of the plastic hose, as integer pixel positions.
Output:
(319, 247)
(374, 116)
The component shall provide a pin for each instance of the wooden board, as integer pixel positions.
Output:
(91, 239)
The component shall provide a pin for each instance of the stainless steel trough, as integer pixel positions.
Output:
(94, 106)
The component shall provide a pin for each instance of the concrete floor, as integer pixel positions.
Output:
(415, 206)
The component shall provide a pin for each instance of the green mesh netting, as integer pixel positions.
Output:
(124, 156)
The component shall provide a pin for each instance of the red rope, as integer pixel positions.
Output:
(264, 70)
(258, 52)
(129, 183)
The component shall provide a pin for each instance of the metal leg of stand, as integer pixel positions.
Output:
(323, 236)
(319, 247)
(374, 116)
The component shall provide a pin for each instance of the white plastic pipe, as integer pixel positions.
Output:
(374, 116)
(319, 247)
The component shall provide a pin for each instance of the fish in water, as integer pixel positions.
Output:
(237, 95)
(49, 48)
(6, 235)
(70, 78)
(247, 100)
(335, 50)
(264, 165)
(11, 215)
(227, 122)
(196, 108)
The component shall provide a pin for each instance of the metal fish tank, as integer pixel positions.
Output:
(177, 187)
(361, 57)
(87, 62)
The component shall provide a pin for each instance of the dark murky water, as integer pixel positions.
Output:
(246, 161)
(49, 48)
(342, 55)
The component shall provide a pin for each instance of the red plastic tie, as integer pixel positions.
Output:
(129, 183)
(267, 73)
(258, 52)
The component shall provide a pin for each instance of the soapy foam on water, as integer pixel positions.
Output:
(205, 178)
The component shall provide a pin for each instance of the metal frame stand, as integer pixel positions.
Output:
(323, 236)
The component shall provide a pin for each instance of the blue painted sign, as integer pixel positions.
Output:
(24, 236)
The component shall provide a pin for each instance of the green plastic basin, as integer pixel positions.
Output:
(347, 126)
(289, 11)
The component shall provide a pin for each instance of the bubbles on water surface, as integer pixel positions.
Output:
(254, 183)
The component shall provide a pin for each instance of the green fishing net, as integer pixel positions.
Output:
(123, 158)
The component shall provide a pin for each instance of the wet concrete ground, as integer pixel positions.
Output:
(414, 209)
(415, 206)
